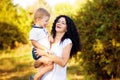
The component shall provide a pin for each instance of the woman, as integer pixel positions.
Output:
(66, 44)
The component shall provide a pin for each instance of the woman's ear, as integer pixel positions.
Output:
(37, 19)
(66, 30)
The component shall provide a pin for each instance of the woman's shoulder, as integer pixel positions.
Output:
(67, 41)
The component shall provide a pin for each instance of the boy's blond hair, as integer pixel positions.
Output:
(40, 13)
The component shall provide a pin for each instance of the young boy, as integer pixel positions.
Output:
(40, 40)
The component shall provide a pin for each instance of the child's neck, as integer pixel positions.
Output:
(38, 25)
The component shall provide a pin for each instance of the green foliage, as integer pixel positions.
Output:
(64, 8)
(99, 25)
(14, 25)
(24, 21)
(10, 36)
(7, 11)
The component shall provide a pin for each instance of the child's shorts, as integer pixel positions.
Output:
(35, 57)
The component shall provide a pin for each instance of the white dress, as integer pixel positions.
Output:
(58, 72)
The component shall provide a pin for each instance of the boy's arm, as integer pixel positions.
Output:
(37, 45)
(50, 38)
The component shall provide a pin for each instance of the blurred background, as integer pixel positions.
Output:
(98, 23)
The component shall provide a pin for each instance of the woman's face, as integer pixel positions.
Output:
(61, 25)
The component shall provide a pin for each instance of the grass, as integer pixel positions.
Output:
(17, 64)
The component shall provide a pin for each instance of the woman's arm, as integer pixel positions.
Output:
(62, 61)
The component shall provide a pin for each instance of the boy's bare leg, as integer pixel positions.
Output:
(43, 70)
(38, 63)
(46, 66)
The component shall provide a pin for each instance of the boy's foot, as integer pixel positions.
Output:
(31, 77)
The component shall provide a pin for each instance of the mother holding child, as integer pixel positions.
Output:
(64, 43)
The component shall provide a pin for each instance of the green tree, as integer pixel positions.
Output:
(64, 8)
(99, 25)
(10, 36)
(14, 21)
(7, 11)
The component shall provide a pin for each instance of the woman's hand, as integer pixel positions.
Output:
(47, 60)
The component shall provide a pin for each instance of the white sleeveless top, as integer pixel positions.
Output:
(58, 73)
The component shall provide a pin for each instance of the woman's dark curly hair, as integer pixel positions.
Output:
(71, 33)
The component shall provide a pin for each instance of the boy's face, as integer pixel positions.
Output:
(42, 22)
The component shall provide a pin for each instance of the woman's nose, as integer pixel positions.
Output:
(59, 23)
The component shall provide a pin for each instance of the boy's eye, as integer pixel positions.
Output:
(46, 20)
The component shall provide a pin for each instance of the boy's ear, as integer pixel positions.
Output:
(37, 19)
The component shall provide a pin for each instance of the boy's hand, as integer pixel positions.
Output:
(51, 40)
(41, 52)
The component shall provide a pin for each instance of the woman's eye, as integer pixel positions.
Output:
(63, 23)
(58, 22)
